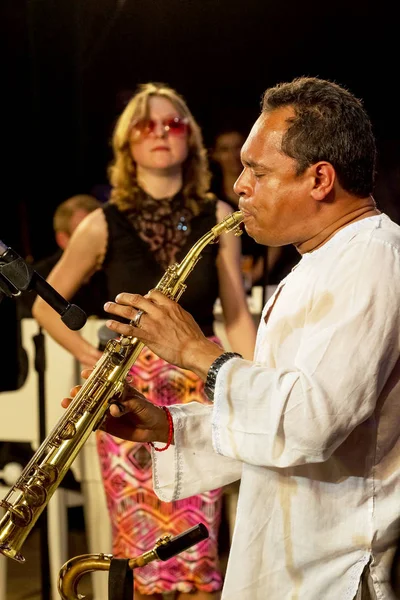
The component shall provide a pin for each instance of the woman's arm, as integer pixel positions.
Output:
(77, 264)
(239, 324)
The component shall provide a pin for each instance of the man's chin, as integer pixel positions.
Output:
(253, 234)
(259, 238)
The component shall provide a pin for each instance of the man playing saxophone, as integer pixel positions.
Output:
(310, 424)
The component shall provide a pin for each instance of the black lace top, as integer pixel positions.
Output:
(143, 243)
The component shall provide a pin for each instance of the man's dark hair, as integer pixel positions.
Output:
(330, 124)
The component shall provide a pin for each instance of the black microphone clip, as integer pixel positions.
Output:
(17, 276)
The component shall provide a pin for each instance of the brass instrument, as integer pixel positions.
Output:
(29, 496)
(165, 548)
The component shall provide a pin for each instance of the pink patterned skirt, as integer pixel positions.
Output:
(138, 517)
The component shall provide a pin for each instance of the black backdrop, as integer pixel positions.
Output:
(68, 65)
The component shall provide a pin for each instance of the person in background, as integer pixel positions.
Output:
(66, 219)
(67, 216)
(159, 207)
(225, 154)
(311, 423)
(257, 260)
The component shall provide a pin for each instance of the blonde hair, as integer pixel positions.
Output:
(122, 170)
(65, 211)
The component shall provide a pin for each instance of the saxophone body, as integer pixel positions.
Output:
(31, 493)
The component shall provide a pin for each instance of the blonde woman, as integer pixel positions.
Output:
(159, 207)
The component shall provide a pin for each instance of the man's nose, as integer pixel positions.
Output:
(238, 186)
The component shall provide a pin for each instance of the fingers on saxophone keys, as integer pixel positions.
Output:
(127, 312)
(129, 299)
(117, 409)
(156, 296)
(65, 402)
(86, 372)
(121, 328)
(73, 392)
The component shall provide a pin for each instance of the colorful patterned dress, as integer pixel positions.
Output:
(140, 247)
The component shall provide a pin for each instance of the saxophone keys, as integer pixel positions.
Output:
(48, 473)
(21, 515)
(35, 495)
(67, 432)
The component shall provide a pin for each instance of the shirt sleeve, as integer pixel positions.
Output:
(301, 410)
(191, 466)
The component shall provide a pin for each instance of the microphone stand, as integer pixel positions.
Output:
(40, 366)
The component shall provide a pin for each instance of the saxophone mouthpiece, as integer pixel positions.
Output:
(230, 223)
(238, 217)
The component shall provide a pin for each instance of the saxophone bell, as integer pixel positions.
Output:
(165, 548)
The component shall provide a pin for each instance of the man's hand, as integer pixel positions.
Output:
(133, 417)
(166, 328)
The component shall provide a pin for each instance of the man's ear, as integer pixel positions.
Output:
(62, 239)
(324, 180)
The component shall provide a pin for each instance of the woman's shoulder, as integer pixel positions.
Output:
(92, 226)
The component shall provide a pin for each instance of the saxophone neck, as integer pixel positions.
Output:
(230, 223)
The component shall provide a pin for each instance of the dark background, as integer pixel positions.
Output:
(68, 67)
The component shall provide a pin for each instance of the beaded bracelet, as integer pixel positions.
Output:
(170, 431)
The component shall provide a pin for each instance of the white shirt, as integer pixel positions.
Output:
(312, 427)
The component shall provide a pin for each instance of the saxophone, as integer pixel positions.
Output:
(165, 548)
(29, 496)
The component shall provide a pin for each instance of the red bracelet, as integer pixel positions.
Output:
(170, 432)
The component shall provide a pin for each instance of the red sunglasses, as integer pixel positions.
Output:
(178, 126)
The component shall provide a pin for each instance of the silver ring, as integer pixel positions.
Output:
(136, 321)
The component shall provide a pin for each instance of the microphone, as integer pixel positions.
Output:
(20, 276)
